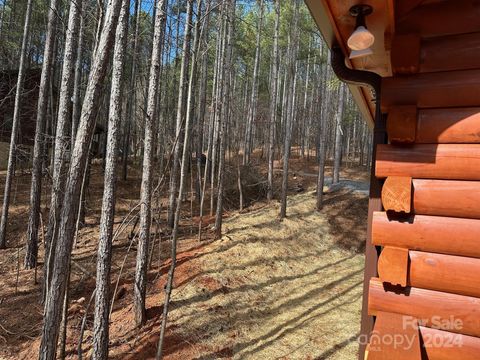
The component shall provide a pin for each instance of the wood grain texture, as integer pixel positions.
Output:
(402, 124)
(446, 198)
(436, 234)
(397, 194)
(448, 273)
(465, 47)
(452, 346)
(410, 54)
(429, 161)
(439, 18)
(405, 54)
(391, 326)
(457, 313)
(454, 125)
(432, 90)
(393, 265)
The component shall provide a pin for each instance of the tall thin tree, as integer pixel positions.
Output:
(290, 110)
(273, 102)
(337, 162)
(56, 292)
(104, 253)
(224, 111)
(36, 187)
(146, 186)
(252, 108)
(61, 138)
(15, 125)
(181, 113)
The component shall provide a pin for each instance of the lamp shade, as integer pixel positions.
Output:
(360, 39)
(354, 54)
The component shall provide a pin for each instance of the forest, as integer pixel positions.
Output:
(129, 128)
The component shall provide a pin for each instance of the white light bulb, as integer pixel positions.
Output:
(361, 39)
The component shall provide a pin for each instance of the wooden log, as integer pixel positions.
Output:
(402, 124)
(434, 309)
(455, 125)
(444, 345)
(432, 90)
(448, 273)
(392, 340)
(446, 198)
(429, 161)
(454, 274)
(433, 126)
(393, 265)
(405, 54)
(464, 50)
(446, 235)
(439, 18)
(410, 54)
(397, 194)
(432, 197)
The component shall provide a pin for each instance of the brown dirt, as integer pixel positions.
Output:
(266, 290)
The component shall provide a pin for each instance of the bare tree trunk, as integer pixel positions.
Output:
(322, 135)
(183, 175)
(217, 109)
(225, 106)
(15, 125)
(273, 102)
(146, 187)
(202, 103)
(76, 108)
(129, 119)
(56, 292)
(181, 113)
(36, 187)
(104, 254)
(338, 136)
(211, 128)
(61, 140)
(290, 113)
(252, 109)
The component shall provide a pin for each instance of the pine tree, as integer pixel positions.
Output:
(15, 126)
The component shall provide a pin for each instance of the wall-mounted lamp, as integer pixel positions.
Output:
(361, 39)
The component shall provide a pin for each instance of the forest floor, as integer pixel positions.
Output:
(266, 290)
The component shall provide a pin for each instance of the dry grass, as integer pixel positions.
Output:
(273, 290)
(266, 290)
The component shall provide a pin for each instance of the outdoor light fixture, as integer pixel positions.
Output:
(361, 39)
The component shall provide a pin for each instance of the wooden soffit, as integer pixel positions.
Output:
(336, 25)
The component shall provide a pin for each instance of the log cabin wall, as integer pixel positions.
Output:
(429, 229)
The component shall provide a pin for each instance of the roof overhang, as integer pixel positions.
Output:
(335, 23)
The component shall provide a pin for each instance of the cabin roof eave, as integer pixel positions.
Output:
(332, 25)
